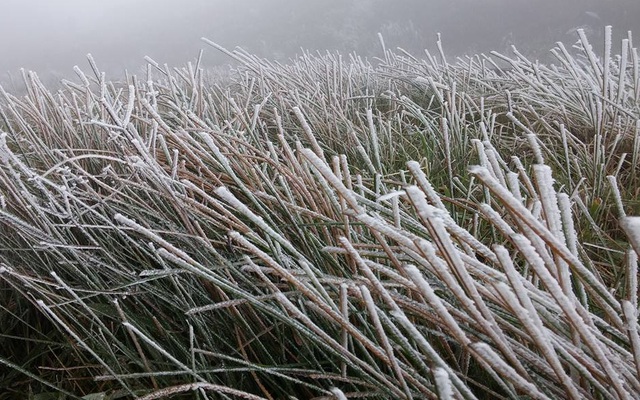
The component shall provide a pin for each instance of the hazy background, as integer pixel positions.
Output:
(51, 36)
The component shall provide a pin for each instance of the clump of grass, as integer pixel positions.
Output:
(326, 228)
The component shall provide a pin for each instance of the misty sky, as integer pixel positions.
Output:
(51, 36)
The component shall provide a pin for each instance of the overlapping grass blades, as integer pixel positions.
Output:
(325, 228)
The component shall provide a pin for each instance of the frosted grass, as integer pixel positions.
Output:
(327, 228)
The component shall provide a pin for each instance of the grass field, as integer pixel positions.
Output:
(407, 227)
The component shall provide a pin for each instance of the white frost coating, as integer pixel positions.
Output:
(443, 383)
(464, 286)
(535, 146)
(153, 236)
(545, 182)
(256, 268)
(494, 163)
(160, 272)
(4, 149)
(130, 104)
(227, 196)
(425, 185)
(111, 112)
(569, 308)
(374, 139)
(631, 226)
(313, 274)
(92, 63)
(518, 210)
(564, 204)
(338, 393)
(632, 273)
(418, 199)
(330, 341)
(496, 219)
(154, 113)
(631, 317)
(363, 153)
(616, 195)
(533, 326)
(308, 132)
(482, 156)
(396, 212)
(430, 352)
(326, 172)
(391, 195)
(344, 335)
(155, 345)
(472, 303)
(622, 71)
(549, 200)
(430, 82)
(606, 66)
(222, 159)
(591, 55)
(505, 370)
(378, 224)
(373, 314)
(82, 76)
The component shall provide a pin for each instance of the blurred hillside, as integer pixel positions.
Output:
(51, 37)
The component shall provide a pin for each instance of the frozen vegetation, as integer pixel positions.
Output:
(330, 228)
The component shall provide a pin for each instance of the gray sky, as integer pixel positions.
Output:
(51, 36)
(54, 35)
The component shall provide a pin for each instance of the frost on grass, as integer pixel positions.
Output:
(373, 263)
(631, 226)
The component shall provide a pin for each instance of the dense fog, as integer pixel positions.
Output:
(51, 36)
